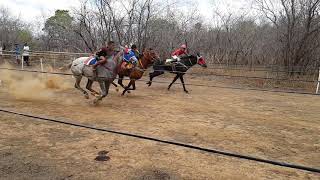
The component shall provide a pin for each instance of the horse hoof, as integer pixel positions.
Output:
(129, 92)
(117, 89)
(186, 92)
(86, 96)
(95, 94)
(96, 102)
(123, 93)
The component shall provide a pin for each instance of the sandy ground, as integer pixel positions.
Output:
(277, 126)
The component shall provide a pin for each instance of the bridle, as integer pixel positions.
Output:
(191, 64)
(198, 58)
(143, 69)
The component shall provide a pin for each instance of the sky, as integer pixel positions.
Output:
(35, 10)
(32, 10)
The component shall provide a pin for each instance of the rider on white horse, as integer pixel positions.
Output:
(103, 54)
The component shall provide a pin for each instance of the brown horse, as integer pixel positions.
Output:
(144, 61)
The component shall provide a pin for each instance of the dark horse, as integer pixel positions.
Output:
(146, 59)
(179, 68)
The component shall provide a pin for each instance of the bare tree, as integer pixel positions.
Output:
(298, 27)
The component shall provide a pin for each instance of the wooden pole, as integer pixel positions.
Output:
(318, 85)
(22, 61)
(41, 64)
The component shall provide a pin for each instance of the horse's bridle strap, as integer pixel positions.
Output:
(182, 64)
(141, 64)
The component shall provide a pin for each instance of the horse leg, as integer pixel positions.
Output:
(77, 86)
(115, 85)
(182, 81)
(89, 87)
(133, 84)
(120, 81)
(127, 89)
(104, 91)
(153, 75)
(174, 80)
(107, 87)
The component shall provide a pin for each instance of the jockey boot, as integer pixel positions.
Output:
(124, 66)
(129, 66)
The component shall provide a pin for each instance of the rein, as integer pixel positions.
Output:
(183, 65)
(142, 69)
(141, 64)
(186, 66)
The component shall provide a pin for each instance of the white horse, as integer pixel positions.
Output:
(105, 75)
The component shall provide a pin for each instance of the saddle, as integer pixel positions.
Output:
(91, 61)
(170, 61)
(128, 60)
(126, 65)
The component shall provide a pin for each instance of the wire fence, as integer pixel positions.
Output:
(246, 77)
(46, 53)
(207, 73)
(266, 68)
(214, 66)
(167, 82)
(51, 56)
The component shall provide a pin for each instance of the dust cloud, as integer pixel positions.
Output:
(31, 86)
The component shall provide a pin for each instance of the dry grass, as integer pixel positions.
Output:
(240, 74)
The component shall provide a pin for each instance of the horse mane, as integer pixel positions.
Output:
(145, 49)
(188, 56)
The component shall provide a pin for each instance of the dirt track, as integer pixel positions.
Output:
(276, 126)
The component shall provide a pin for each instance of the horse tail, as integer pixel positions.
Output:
(66, 67)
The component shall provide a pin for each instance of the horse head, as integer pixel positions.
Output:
(201, 61)
(150, 56)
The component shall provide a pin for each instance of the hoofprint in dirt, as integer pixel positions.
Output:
(277, 126)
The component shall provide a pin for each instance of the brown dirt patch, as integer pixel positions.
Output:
(276, 126)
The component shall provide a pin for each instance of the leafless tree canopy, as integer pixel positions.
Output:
(284, 32)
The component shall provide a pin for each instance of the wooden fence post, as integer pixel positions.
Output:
(318, 84)
(41, 64)
(22, 61)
